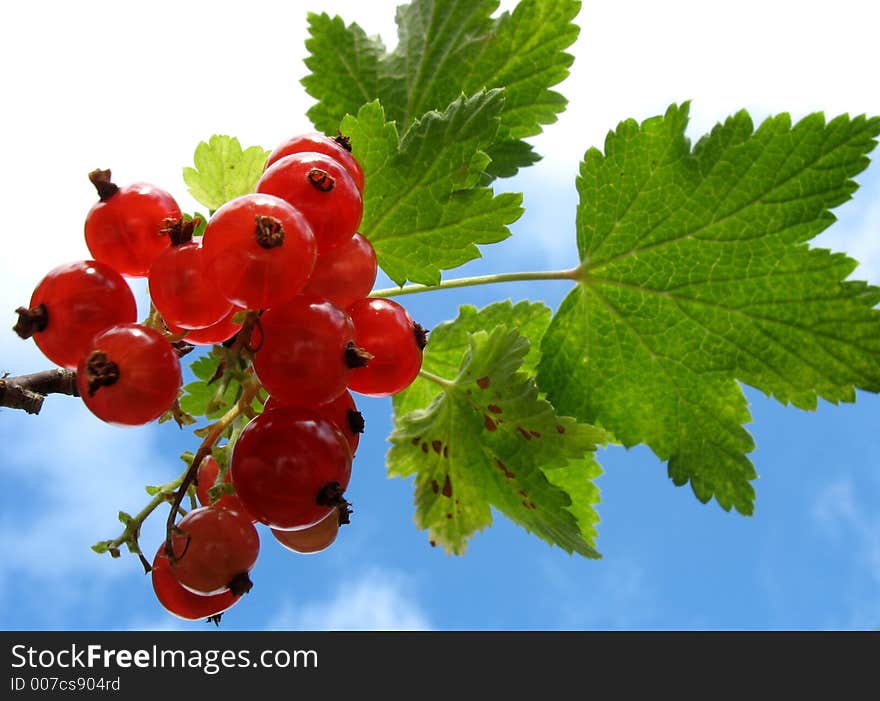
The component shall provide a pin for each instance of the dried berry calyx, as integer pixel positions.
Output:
(100, 371)
(31, 321)
(103, 184)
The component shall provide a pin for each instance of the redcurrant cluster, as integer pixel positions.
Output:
(288, 252)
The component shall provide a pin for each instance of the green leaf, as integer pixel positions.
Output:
(201, 222)
(223, 171)
(696, 275)
(445, 48)
(448, 343)
(423, 212)
(487, 440)
(205, 367)
(200, 399)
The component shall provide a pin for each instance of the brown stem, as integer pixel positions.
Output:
(180, 231)
(101, 371)
(217, 430)
(105, 187)
(30, 321)
(421, 334)
(356, 357)
(269, 231)
(321, 180)
(27, 392)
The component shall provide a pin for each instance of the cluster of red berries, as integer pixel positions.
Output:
(290, 251)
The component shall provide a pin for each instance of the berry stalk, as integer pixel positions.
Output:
(573, 274)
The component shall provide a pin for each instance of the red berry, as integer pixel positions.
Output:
(222, 331)
(344, 274)
(214, 550)
(341, 412)
(124, 229)
(260, 251)
(181, 602)
(290, 467)
(129, 375)
(320, 188)
(207, 477)
(337, 148)
(313, 539)
(307, 351)
(385, 330)
(183, 293)
(71, 304)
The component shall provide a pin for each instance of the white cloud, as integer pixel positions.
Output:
(622, 596)
(858, 232)
(847, 517)
(80, 472)
(378, 600)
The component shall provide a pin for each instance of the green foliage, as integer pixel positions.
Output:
(695, 271)
(423, 210)
(695, 275)
(207, 396)
(487, 440)
(223, 171)
(448, 47)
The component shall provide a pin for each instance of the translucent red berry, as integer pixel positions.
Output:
(129, 375)
(70, 305)
(182, 602)
(321, 188)
(214, 550)
(259, 251)
(341, 411)
(222, 331)
(338, 148)
(344, 274)
(386, 331)
(124, 229)
(182, 291)
(313, 539)
(290, 467)
(307, 353)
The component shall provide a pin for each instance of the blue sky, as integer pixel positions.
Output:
(808, 559)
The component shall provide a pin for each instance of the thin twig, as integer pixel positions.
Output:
(27, 392)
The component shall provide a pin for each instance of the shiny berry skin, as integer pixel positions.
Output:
(181, 602)
(183, 293)
(259, 251)
(76, 301)
(385, 329)
(320, 143)
(320, 188)
(344, 274)
(129, 375)
(207, 476)
(341, 412)
(124, 230)
(222, 331)
(290, 467)
(305, 355)
(313, 539)
(215, 549)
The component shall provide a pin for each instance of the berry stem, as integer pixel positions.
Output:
(242, 406)
(573, 274)
(436, 379)
(131, 533)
